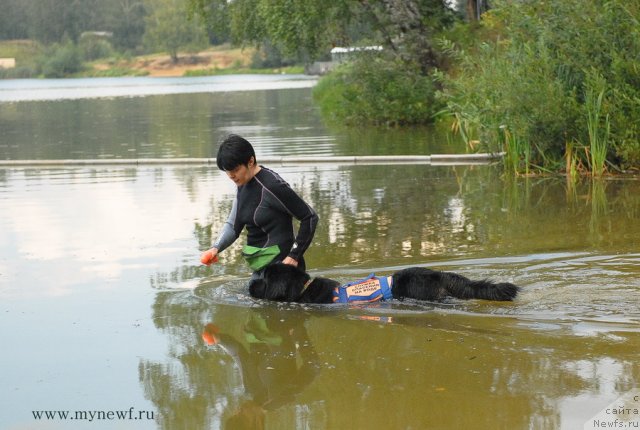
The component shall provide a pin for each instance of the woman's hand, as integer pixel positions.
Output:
(210, 256)
(291, 261)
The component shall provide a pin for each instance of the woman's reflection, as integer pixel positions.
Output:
(276, 360)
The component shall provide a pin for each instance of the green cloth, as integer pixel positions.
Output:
(257, 258)
(256, 331)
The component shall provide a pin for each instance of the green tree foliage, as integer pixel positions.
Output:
(56, 21)
(13, 20)
(529, 81)
(168, 28)
(373, 90)
(310, 26)
(93, 47)
(308, 29)
(126, 21)
(270, 57)
(61, 61)
(406, 27)
(52, 21)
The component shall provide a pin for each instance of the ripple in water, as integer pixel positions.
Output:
(586, 294)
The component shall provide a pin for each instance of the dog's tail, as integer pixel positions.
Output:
(463, 288)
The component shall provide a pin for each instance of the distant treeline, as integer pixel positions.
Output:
(55, 21)
(55, 38)
(52, 21)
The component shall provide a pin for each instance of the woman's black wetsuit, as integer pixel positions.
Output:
(266, 205)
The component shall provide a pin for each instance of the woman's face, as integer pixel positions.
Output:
(241, 174)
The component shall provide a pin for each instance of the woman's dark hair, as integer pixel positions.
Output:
(233, 152)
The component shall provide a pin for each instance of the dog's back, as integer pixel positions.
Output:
(426, 284)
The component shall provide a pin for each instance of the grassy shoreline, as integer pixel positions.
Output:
(218, 60)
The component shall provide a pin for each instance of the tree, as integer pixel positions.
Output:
(409, 26)
(404, 27)
(391, 86)
(13, 20)
(51, 21)
(127, 23)
(475, 8)
(167, 27)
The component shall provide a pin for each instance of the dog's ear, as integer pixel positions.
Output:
(258, 288)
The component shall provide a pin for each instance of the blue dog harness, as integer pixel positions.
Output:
(370, 289)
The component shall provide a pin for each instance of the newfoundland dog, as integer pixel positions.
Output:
(286, 283)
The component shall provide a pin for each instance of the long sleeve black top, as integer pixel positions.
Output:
(266, 206)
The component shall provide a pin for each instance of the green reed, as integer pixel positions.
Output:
(572, 161)
(517, 159)
(599, 129)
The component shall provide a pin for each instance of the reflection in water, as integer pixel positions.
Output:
(282, 122)
(277, 363)
(456, 364)
(599, 207)
(88, 240)
(180, 125)
(288, 366)
(258, 361)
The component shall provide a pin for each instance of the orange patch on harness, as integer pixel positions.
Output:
(365, 288)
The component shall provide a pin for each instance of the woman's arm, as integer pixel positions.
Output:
(300, 210)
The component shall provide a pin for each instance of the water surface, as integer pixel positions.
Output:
(175, 122)
(20, 90)
(103, 302)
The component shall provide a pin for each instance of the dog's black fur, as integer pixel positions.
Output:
(285, 283)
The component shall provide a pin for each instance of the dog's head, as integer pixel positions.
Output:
(280, 282)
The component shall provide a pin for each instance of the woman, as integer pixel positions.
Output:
(265, 205)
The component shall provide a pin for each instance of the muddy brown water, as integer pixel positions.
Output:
(104, 302)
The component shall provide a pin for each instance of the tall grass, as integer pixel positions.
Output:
(599, 128)
(517, 159)
(571, 166)
(533, 70)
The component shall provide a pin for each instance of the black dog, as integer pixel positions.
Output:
(286, 283)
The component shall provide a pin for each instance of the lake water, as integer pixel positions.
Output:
(103, 301)
(183, 119)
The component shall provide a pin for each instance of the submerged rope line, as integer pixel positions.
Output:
(482, 158)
